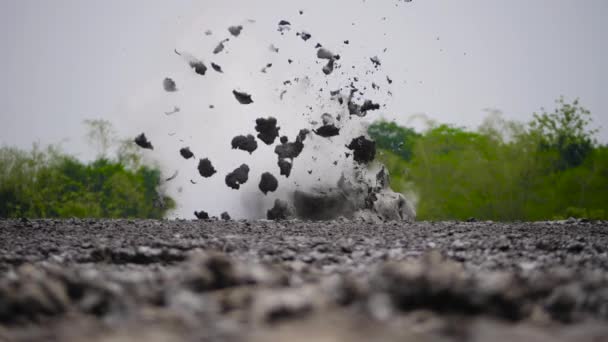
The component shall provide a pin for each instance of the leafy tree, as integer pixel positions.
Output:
(392, 137)
(566, 131)
(47, 183)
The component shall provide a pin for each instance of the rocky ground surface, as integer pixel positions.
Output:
(104, 280)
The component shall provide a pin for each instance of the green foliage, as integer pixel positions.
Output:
(506, 172)
(392, 137)
(46, 183)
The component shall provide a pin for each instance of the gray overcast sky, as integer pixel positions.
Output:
(64, 61)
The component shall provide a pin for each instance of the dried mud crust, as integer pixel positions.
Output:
(106, 280)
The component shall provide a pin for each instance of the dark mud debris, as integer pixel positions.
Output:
(201, 215)
(280, 211)
(369, 105)
(186, 153)
(267, 129)
(284, 26)
(304, 35)
(242, 97)
(205, 168)
(225, 216)
(238, 177)
(216, 67)
(175, 110)
(289, 150)
(245, 143)
(143, 142)
(285, 167)
(169, 85)
(173, 176)
(268, 183)
(235, 30)
(376, 61)
(199, 67)
(220, 47)
(327, 131)
(364, 150)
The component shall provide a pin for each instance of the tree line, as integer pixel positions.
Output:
(549, 168)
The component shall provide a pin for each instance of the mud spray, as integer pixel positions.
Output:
(269, 120)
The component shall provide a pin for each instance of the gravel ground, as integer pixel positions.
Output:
(123, 280)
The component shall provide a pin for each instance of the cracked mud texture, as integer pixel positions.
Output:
(123, 280)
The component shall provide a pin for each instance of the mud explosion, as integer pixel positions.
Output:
(362, 190)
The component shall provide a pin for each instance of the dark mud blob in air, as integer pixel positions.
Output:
(285, 167)
(245, 143)
(238, 177)
(284, 139)
(186, 153)
(235, 30)
(304, 35)
(169, 85)
(143, 142)
(268, 183)
(267, 129)
(329, 67)
(369, 105)
(364, 150)
(199, 67)
(284, 25)
(280, 211)
(376, 61)
(220, 47)
(205, 168)
(173, 176)
(327, 131)
(225, 216)
(388, 79)
(289, 150)
(323, 53)
(302, 135)
(242, 97)
(201, 215)
(346, 42)
(273, 48)
(217, 67)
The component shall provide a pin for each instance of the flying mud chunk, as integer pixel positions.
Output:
(173, 176)
(244, 143)
(205, 168)
(169, 85)
(284, 26)
(186, 153)
(364, 150)
(217, 67)
(304, 35)
(201, 215)
(328, 129)
(285, 167)
(143, 142)
(268, 183)
(199, 67)
(220, 47)
(289, 150)
(267, 129)
(225, 216)
(280, 211)
(235, 30)
(369, 105)
(376, 61)
(324, 53)
(238, 177)
(242, 97)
